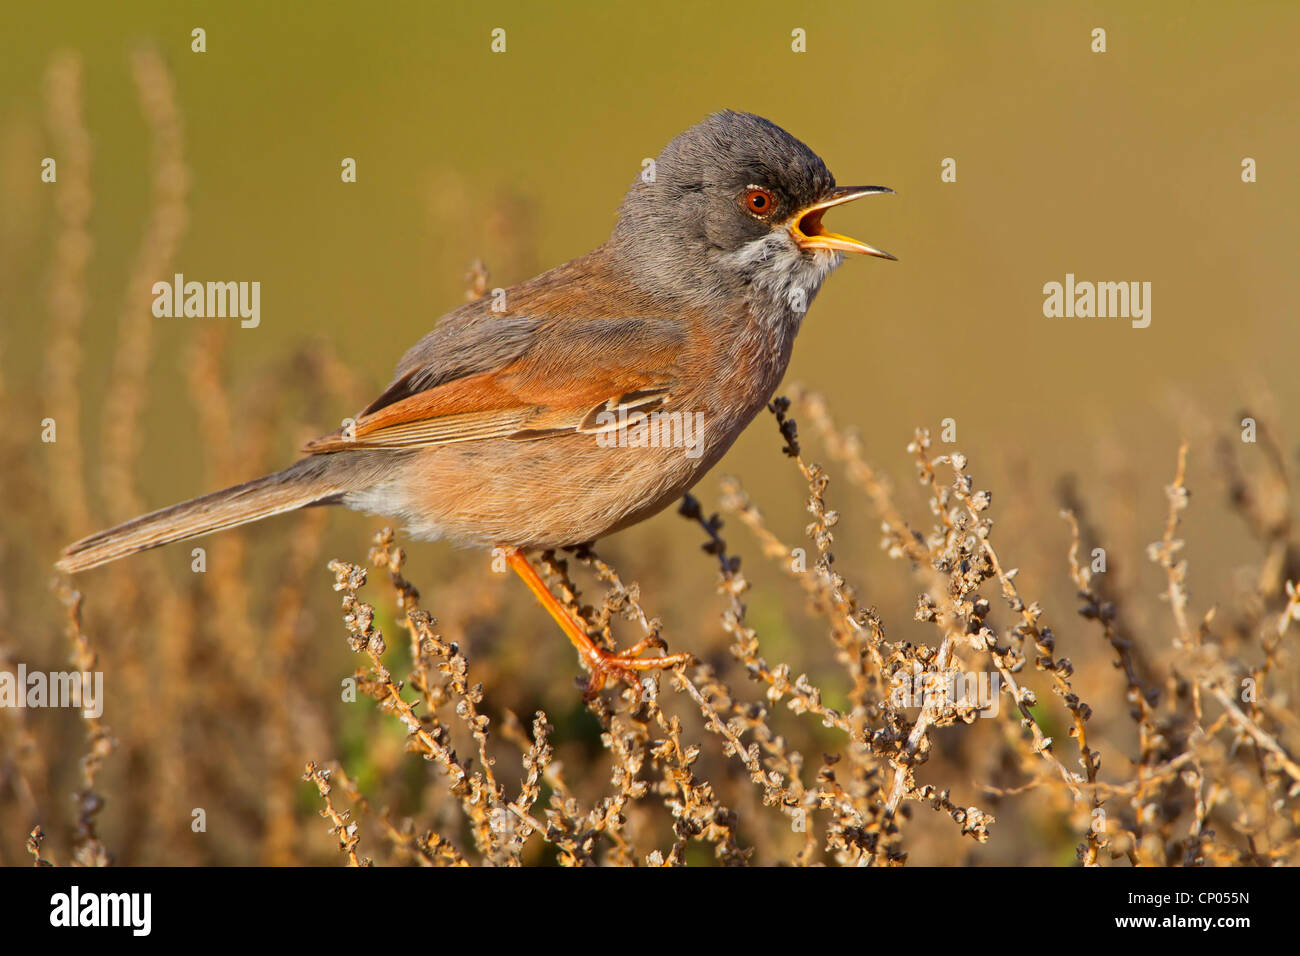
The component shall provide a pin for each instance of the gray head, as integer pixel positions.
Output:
(735, 205)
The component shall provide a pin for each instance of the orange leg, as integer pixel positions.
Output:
(602, 664)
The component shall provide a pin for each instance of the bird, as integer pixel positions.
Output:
(587, 399)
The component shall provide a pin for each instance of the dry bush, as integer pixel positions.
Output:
(708, 763)
(445, 728)
(1208, 780)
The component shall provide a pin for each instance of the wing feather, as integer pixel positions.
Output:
(585, 377)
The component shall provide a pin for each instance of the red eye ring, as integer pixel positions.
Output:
(758, 201)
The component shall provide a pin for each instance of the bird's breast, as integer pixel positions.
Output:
(732, 375)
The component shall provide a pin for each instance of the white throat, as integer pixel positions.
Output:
(783, 278)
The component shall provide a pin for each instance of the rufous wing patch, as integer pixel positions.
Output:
(503, 404)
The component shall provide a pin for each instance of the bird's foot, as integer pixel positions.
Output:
(626, 665)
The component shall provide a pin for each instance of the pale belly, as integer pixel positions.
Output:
(550, 492)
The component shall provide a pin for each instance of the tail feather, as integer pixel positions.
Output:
(306, 483)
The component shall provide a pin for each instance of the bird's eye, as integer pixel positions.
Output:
(758, 201)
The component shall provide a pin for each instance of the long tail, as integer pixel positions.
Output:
(310, 481)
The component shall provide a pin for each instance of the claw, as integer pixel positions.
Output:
(624, 665)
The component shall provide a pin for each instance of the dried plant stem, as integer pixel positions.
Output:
(73, 248)
(340, 823)
(121, 438)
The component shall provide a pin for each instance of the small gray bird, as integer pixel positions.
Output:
(605, 389)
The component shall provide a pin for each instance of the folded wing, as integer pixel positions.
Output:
(569, 373)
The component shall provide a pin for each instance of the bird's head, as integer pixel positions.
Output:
(735, 202)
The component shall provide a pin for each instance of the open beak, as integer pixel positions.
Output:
(806, 227)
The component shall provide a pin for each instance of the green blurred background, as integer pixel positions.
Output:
(1117, 166)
